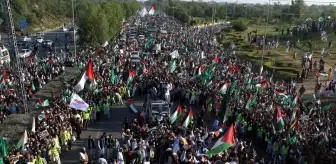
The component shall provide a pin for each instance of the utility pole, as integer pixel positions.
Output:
(266, 26)
(21, 91)
(234, 7)
(226, 11)
(245, 10)
(74, 29)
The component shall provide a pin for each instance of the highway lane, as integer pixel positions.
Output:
(48, 35)
(112, 126)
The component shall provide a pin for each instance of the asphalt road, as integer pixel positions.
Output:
(112, 126)
(48, 35)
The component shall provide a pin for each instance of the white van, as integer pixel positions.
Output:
(135, 57)
(4, 55)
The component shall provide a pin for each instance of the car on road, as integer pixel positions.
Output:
(47, 43)
(23, 53)
(39, 39)
(25, 39)
(157, 108)
(64, 29)
(141, 37)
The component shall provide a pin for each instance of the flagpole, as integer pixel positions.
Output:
(263, 50)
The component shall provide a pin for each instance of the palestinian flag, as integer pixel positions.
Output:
(293, 125)
(23, 140)
(87, 75)
(263, 84)
(279, 119)
(199, 71)
(223, 143)
(175, 115)
(224, 88)
(295, 100)
(130, 77)
(152, 11)
(189, 119)
(40, 103)
(215, 59)
(210, 84)
(318, 74)
(281, 94)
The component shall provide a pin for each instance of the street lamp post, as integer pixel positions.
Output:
(73, 26)
(263, 50)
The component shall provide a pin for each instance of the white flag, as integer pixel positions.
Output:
(81, 83)
(78, 103)
(33, 125)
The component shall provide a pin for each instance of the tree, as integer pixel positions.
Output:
(239, 25)
(298, 8)
(101, 22)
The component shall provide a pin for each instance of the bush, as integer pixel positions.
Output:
(239, 25)
(229, 29)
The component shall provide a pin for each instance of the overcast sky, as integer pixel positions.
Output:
(308, 2)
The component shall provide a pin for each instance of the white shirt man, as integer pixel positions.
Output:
(120, 158)
(102, 161)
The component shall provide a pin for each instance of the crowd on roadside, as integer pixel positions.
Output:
(208, 86)
(36, 74)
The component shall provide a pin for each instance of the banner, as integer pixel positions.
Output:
(78, 103)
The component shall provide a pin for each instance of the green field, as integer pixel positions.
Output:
(283, 64)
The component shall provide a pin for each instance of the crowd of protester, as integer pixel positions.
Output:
(218, 88)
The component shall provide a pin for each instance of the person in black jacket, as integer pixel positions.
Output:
(91, 147)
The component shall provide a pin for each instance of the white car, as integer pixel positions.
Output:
(23, 53)
(141, 37)
(39, 39)
(25, 39)
(64, 29)
(47, 43)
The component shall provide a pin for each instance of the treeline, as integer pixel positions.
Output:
(102, 16)
(99, 22)
(38, 12)
(296, 12)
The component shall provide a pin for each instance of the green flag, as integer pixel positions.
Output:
(172, 66)
(3, 148)
(325, 108)
(112, 77)
(45, 103)
(33, 87)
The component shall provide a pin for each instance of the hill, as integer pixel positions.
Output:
(39, 14)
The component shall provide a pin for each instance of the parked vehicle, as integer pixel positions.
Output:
(23, 53)
(39, 39)
(25, 39)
